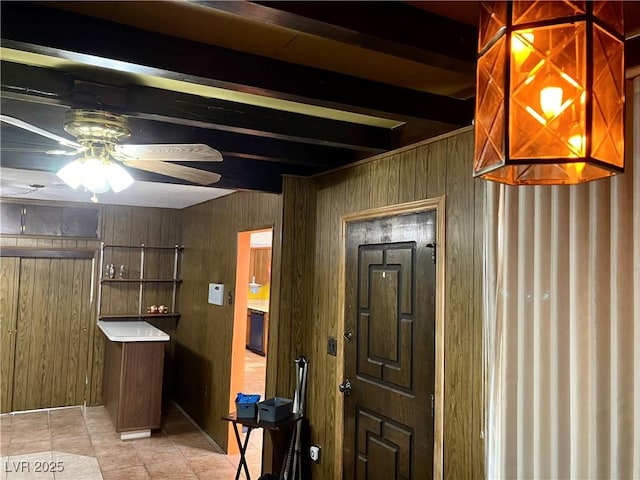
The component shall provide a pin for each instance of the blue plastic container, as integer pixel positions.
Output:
(246, 405)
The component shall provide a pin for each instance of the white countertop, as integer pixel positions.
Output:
(132, 332)
(260, 305)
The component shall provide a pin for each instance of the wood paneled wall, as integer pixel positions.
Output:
(134, 226)
(121, 225)
(309, 292)
(205, 332)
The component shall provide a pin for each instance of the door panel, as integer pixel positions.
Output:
(387, 446)
(390, 309)
(9, 281)
(11, 215)
(52, 340)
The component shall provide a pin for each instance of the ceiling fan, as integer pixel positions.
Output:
(98, 135)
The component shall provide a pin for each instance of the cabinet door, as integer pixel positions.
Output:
(52, 341)
(9, 281)
(260, 265)
(41, 220)
(11, 214)
(59, 221)
(79, 222)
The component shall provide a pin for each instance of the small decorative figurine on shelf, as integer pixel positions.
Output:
(163, 309)
(152, 309)
(110, 271)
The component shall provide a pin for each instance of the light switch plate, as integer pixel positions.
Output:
(332, 346)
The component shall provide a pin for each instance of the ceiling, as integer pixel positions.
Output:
(279, 88)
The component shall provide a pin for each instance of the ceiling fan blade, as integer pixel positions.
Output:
(16, 122)
(169, 152)
(190, 174)
(45, 151)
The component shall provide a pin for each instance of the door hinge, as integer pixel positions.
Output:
(433, 405)
(432, 246)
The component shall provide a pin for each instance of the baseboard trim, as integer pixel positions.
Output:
(204, 433)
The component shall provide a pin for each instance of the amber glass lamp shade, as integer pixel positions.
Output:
(550, 92)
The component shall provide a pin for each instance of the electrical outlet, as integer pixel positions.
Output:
(332, 346)
(314, 453)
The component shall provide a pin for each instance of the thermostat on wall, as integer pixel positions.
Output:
(216, 293)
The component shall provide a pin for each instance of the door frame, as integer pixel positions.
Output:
(240, 301)
(437, 204)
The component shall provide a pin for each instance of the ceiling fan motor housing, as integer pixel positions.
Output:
(95, 126)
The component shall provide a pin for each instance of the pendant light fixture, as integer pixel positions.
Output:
(550, 92)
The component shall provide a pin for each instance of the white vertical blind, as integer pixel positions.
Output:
(562, 326)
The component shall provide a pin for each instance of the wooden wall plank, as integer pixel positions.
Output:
(437, 164)
(379, 183)
(393, 188)
(421, 172)
(407, 179)
(459, 442)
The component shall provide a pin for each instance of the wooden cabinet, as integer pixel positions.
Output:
(260, 265)
(42, 220)
(133, 385)
(49, 221)
(141, 276)
(79, 222)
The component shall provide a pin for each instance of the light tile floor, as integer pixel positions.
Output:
(80, 443)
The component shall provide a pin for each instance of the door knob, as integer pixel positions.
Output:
(345, 388)
(348, 335)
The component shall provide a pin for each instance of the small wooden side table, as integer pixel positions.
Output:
(277, 430)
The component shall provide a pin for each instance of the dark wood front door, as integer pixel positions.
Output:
(390, 313)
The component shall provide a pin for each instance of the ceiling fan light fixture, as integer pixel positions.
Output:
(96, 175)
(118, 178)
(100, 169)
(72, 174)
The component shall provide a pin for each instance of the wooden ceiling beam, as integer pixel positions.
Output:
(193, 110)
(78, 38)
(392, 28)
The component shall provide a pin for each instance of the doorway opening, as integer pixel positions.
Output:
(251, 328)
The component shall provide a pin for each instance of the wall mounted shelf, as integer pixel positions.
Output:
(161, 263)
